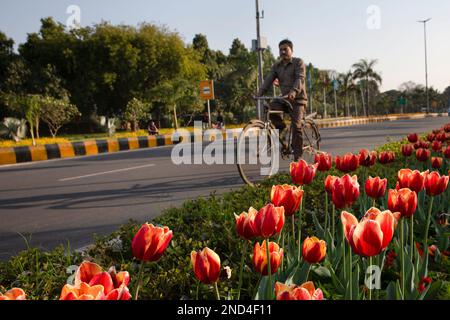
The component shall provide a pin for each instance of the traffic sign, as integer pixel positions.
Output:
(207, 90)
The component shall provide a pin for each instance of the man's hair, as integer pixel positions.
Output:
(288, 42)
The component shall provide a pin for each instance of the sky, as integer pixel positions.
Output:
(331, 34)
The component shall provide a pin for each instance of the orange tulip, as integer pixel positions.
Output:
(345, 191)
(314, 250)
(407, 150)
(372, 234)
(375, 187)
(367, 159)
(413, 137)
(269, 221)
(302, 173)
(324, 161)
(329, 181)
(435, 184)
(150, 242)
(403, 201)
(436, 162)
(423, 154)
(348, 163)
(245, 224)
(414, 180)
(288, 197)
(82, 292)
(13, 294)
(260, 257)
(115, 285)
(306, 291)
(206, 265)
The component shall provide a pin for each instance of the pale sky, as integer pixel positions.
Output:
(332, 34)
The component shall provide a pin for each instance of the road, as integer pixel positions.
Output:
(57, 201)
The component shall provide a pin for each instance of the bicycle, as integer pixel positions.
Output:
(262, 140)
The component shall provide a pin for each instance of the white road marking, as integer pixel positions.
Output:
(106, 172)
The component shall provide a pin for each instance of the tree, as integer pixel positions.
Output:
(57, 112)
(364, 71)
(346, 81)
(136, 111)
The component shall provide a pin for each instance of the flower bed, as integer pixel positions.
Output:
(208, 249)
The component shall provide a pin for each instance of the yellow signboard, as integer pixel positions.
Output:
(207, 90)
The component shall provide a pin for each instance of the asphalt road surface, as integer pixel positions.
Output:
(57, 201)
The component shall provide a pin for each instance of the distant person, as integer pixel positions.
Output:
(219, 120)
(152, 129)
(205, 120)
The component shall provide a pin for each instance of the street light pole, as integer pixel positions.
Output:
(426, 65)
(260, 57)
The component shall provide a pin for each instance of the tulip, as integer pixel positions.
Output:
(441, 136)
(413, 137)
(114, 284)
(431, 250)
(314, 250)
(375, 187)
(421, 145)
(407, 150)
(13, 294)
(348, 163)
(150, 242)
(302, 173)
(345, 191)
(329, 181)
(447, 152)
(423, 281)
(206, 265)
(414, 180)
(430, 137)
(386, 157)
(437, 146)
(82, 292)
(306, 291)
(423, 154)
(372, 234)
(269, 221)
(435, 184)
(324, 161)
(436, 131)
(403, 201)
(436, 162)
(260, 257)
(245, 224)
(288, 197)
(447, 127)
(367, 159)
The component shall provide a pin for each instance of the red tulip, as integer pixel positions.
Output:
(447, 127)
(423, 154)
(386, 157)
(413, 137)
(407, 150)
(436, 162)
(115, 285)
(324, 161)
(314, 250)
(447, 152)
(367, 159)
(437, 146)
(82, 292)
(430, 137)
(150, 242)
(348, 163)
(372, 234)
(302, 173)
(345, 191)
(288, 197)
(421, 145)
(414, 180)
(13, 294)
(306, 291)
(206, 265)
(260, 257)
(436, 131)
(245, 224)
(435, 184)
(441, 136)
(329, 181)
(269, 221)
(403, 201)
(375, 187)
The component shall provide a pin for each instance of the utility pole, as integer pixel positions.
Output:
(260, 57)
(426, 65)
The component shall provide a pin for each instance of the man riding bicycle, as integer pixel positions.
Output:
(291, 74)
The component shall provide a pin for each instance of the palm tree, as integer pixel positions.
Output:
(346, 80)
(364, 71)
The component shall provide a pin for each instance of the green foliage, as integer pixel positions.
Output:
(136, 111)
(57, 112)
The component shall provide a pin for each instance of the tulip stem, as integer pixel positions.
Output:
(374, 203)
(350, 267)
(425, 240)
(333, 218)
(293, 228)
(307, 272)
(402, 252)
(216, 291)
(269, 271)
(411, 236)
(300, 230)
(241, 269)
(343, 250)
(326, 215)
(196, 293)
(141, 270)
(370, 287)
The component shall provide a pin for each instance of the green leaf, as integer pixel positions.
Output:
(322, 272)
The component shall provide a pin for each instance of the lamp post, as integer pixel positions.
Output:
(260, 56)
(426, 65)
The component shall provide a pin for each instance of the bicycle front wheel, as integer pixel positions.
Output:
(257, 153)
(311, 137)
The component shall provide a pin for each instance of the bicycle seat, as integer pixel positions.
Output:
(287, 106)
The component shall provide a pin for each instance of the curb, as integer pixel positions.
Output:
(14, 155)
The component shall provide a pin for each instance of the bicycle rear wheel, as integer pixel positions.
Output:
(257, 153)
(311, 138)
